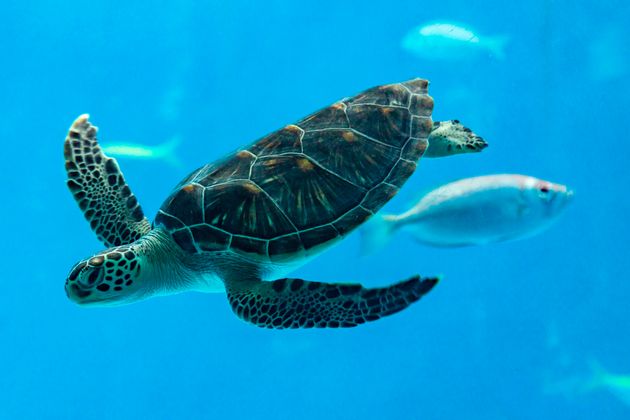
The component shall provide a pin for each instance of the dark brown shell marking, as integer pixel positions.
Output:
(307, 183)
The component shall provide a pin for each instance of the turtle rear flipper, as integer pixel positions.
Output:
(296, 303)
(452, 138)
(99, 188)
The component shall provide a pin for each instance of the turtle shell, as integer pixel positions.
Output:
(307, 184)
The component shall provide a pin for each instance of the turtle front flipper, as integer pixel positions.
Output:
(452, 138)
(296, 303)
(99, 188)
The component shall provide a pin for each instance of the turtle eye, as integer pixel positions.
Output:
(91, 277)
(76, 271)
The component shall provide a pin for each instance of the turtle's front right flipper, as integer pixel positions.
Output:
(100, 189)
(296, 303)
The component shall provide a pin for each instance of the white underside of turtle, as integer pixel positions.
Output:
(241, 224)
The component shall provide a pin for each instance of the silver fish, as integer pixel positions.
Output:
(164, 152)
(475, 211)
(599, 379)
(449, 41)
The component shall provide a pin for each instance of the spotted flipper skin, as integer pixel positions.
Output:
(451, 138)
(296, 303)
(99, 188)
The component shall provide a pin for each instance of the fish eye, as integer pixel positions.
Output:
(544, 192)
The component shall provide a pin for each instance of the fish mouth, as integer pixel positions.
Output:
(567, 197)
(562, 189)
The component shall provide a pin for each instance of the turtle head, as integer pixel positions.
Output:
(108, 278)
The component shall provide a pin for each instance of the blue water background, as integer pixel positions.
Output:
(507, 320)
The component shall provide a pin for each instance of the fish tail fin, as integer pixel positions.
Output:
(167, 152)
(497, 46)
(377, 233)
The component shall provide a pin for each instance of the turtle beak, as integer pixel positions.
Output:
(76, 294)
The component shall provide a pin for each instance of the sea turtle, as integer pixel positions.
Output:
(240, 224)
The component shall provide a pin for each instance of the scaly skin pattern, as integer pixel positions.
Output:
(298, 190)
(99, 188)
(296, 303)
(152, 266)
(452, 138)
(282, 199)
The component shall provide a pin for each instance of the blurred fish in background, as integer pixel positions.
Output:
(163, 152)
(617, 384)
(475, 211)
(599, 379)
(452, 42)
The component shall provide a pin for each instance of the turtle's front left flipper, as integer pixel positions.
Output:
(296, 303)
(100, 189)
